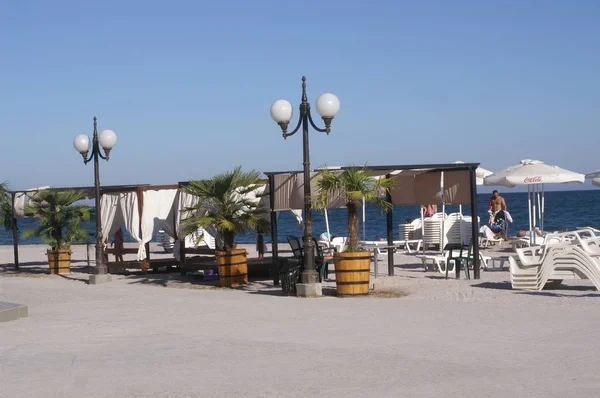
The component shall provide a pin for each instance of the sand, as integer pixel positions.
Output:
(419, 336)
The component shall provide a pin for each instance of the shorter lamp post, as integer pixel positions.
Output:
(107, 140)
(328, 105)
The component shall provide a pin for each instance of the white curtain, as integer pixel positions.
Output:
(183, 201)
(111, 214)
(131, 217)
(157, 206)
(298, 214)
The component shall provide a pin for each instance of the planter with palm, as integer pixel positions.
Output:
(225, 205)
(355, 184)
(59, 224)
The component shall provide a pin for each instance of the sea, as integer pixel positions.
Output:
(564, 209)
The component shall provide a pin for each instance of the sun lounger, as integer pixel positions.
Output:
(562, 261)
(567, 255)
(441, 261)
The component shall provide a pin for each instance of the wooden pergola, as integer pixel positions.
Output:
(462, 187)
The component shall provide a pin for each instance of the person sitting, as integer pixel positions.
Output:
(488, 233)
(526, 234)
(496, 228)
(429, 210)
(325, 237)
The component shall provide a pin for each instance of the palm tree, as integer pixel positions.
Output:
(6, 210)
(59, 220)
(356, 184)
(224, 205)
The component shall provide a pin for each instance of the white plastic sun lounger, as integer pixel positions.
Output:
(439, 262)
(566, 255)
(561, 261)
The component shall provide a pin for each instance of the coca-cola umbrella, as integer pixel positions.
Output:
(535, 174)
(595, 177)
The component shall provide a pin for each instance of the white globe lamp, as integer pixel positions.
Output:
(81, 143)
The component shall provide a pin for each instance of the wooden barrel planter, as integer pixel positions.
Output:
(352, 272)
(233, 267)
(59, 261)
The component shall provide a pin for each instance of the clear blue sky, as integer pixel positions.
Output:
(187, 85)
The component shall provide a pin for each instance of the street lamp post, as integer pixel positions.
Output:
(328, 105)
(107, 140)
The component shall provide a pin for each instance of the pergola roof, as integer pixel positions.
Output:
(413, 184)
(391, 169)
(90, 191)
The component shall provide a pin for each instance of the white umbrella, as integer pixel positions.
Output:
(534, 174)
(595, 177)
(481, 173)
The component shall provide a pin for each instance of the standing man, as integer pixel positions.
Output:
(497, 203)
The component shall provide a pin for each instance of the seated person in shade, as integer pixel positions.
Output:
(495, 228)
(488, 233)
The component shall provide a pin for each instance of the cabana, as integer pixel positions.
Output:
(453, 183)
(20, 199)
(142, 209)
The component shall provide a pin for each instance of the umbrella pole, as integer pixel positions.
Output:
(543, 208)
(529, 211)
(327, 229)
(533, 214)
(539, 204)
(363, 220)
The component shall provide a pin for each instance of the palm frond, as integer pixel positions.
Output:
(59, 220)
(355, 184)
(224, 204)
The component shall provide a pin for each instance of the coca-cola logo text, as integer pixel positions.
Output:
(530, 180)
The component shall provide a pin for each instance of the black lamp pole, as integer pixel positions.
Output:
(309, 274)
(95, 155)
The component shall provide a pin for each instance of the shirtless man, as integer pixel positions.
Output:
(497, 203)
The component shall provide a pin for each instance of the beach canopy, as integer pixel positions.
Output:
(531, 172)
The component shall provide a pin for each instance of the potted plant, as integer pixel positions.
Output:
(225, 205)
(59, 224)
(355, 184)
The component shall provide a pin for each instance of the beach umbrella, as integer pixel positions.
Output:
(480, 173)
(535, 174)
(595, 177)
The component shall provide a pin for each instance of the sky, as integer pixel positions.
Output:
(187, 85)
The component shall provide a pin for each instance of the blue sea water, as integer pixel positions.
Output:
(564, 209)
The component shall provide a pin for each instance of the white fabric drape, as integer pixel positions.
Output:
(299, 219)
(131, 217)
(156, 209)
(183, 201)
(110, 214)
(22, 199)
